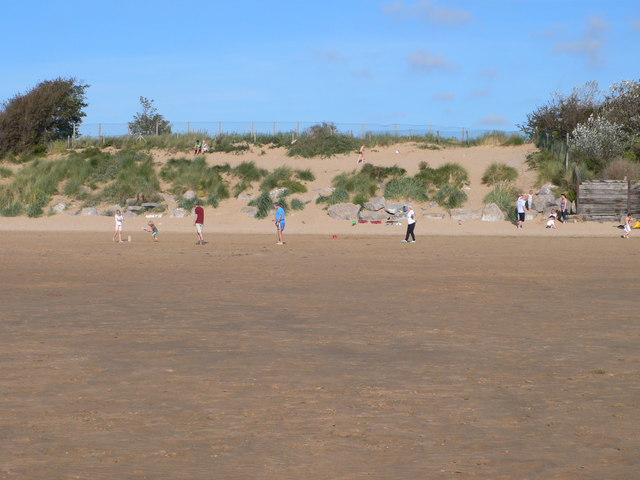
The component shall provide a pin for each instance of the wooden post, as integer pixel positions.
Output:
(188, 127)
(362, 129)
(73, 136)
(219, 128)
(566, 154)
(274, 129)
(298, 128)
(100, 130)
(395, 129)
(253, 131)
(157, 128)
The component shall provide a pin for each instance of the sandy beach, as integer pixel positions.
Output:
(479, 352)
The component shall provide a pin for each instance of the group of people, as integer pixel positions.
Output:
(525, 203)
(198, 223)
(200, 147)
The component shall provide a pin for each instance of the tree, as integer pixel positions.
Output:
(47, 112)
(563, 114)
(149, 121)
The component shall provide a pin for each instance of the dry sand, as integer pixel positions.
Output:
(478, 352)
(456, 357)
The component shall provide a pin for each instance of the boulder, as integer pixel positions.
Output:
(73, 212)
(189, 195)
(59, 207)
(465, 214)
(179, 212)
(546, 189)
(134, 208)
(167, 197)
(150, 205)
(129, 215)
(131, 201)
(250, 211)
(89, 211)
(369, 215)
(394, 207)
(277, 193)
(433, 216)
(247, 197)
(492, 213)
(530, 215)
(374, 204)
(344, 211)
(542, 202)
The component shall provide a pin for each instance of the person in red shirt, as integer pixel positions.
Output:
(199, 222)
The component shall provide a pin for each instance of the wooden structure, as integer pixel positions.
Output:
(607, 199)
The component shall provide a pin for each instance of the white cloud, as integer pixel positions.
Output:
(494, 119)
(590, 44)
(423, 61)
(429, 11)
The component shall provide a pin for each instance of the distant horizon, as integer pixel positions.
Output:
(459, 63)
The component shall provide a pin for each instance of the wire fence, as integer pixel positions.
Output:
(296, 128)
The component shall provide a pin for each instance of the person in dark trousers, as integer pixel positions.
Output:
(564, 208)
(411, 225)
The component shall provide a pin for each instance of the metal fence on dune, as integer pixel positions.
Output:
(361, 130)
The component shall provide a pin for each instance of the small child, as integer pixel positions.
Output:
(627, 226)
(551, 223)
(153, 230)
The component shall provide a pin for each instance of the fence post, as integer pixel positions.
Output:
(100, 130)
(253, 131)
(566, 155)
(395, 129)
(219, 128)
(73, 137)
(157, 128)
(298, 127)
(362, 129)
(274, 129)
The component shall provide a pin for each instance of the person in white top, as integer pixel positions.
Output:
(119, 221)
(520, 209)
(411, 224)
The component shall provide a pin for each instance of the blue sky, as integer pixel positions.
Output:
(467, 63)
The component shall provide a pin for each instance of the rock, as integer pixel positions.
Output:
(134, 208)
(249, 211)
(246, 197)
(59, 207)
(465, 214)
(530, 215)
(433, 216)
(131, 201)
(179, 213)
(394, 207)
(129, 215)
(369, 215)
(277, 193)
(150, 205)
(167, 197)
(73, 212)
(542, 202)
(189, 195)
(344, 211)
(89, 211)
(112, 208)
(374, 204)
(492, 213)
(546, 189)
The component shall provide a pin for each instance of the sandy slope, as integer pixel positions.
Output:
(227, 218)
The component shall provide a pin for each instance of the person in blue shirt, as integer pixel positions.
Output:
(280, 222)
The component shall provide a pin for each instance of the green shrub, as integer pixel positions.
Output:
(5, 172)
(450, 196)
(400, 188)
(264, 204)
(337, 196)
(360, 199)
(322, 140)
(186, 174)
(355, 183)
(297, 204)
(447, 174)
(505, 196)
(380, 173)
(248, 172)
(305, 175)
(499, 173)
